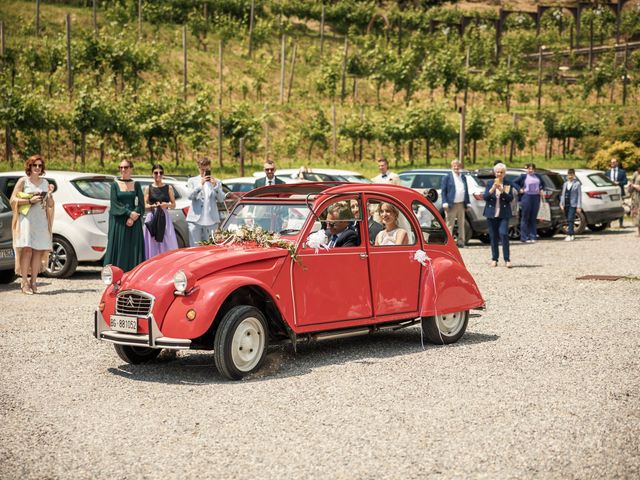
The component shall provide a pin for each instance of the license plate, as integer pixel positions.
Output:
(121, 323)
(614, 197)
(6, 253)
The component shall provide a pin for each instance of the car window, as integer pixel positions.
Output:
(481, 181)
(10, 185)
(553, 181)
(599, 180)
(98, 187)
(349, 211)
(430, 180)
(401, 231)
(432, 230)
(278, 218)
(406, 179)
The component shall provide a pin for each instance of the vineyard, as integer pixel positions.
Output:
(88, 83)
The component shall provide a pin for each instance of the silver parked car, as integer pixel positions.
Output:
(7, 257)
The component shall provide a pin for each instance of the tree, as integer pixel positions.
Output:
(477, 128)
(358, 128)
(316, 131)
(241, 123)
(428, 124)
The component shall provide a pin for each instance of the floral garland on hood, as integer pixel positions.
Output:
(256, 235)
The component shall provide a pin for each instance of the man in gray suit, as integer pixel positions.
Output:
(204, 192)
(270, 176)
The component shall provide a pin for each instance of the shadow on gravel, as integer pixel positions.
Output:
(75, 290)
(525, 266)
(198, 368)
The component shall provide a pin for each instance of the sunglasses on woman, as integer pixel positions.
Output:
(158, 173)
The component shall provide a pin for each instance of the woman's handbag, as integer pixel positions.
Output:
(156, 224)
(544, 212)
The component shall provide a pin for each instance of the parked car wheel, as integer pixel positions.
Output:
(240, 345)
(62, 259)
(548, 232)
(7, 276)
(136, 355)
(579, 225)
(445, 329)
(514, 233)
(597, 227)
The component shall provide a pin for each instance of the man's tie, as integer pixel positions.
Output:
(334, 239)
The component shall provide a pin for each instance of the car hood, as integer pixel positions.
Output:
(199, 261)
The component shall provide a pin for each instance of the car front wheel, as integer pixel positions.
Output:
(62, 261)
(579, 224)
(597, 227)
(136, 355)
(446, 328)
(240, 345)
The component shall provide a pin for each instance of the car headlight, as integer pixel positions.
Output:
(111, 275)
(183, 282)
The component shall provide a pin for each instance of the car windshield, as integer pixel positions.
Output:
(355, 178)
(97, 187)
(422, 180)
(284, 219)
(599, 180)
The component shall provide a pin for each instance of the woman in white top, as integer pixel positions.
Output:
(392, 234)
(32, 205)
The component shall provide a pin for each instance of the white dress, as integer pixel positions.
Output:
(385, 238)
(33, 228)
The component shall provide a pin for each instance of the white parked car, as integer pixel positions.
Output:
(601, 201)
(319, 175)
(81, 219)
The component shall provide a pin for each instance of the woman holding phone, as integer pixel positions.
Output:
(32, 206)
(125, 244)
(498, 195)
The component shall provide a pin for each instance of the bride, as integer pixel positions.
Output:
(392, 233)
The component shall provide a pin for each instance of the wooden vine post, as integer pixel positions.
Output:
(343, 83)
(251, 20)
(139, 19)
(69, 65)
(293, 66)
(220, 49)
(242, 156)
(540, 76)
(7, 128)
(283, 60)
(625, 77)
(37, 18)
(95, 17)
(324, 8)
(334, 133)
(184, 61)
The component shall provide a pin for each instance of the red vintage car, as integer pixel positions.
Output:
(295, 263)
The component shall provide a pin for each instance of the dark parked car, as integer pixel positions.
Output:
(7, 258)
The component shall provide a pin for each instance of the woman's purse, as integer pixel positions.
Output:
(544, 212)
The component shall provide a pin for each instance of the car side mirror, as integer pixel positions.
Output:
(432, 195)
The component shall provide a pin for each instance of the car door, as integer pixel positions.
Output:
(395, 275)
(332, 285)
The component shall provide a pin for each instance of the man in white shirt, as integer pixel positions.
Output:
(455, 199)
(204, 192)
(385, 175)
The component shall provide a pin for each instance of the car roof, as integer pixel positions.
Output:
(563, 171)
(307, 189)
(428, 170)
(326, 171)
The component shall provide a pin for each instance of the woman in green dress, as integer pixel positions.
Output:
(125, 247)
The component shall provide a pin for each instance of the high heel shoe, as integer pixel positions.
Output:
(34, 288)
(26, 289)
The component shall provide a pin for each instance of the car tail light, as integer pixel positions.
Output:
(185, 210)
(76, 210)
(548, 195)
(98, 249)
(596, 194)
(478, 196)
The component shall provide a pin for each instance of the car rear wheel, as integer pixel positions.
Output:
(579, 224)
(548, 232)
(240, 345)
(445, 329)
(597, 227)
(514, 232)
(62, 261)
(136, 355)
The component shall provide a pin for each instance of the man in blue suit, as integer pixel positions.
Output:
(455, 199)
(618, 176)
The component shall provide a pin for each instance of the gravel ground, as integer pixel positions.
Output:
(545, 384)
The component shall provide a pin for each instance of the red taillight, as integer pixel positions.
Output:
(547, 196)
(478, 196)
(76, 210)
(99, 249)
(596, 194)
(185, 210)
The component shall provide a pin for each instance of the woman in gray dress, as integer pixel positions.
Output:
(32, 205)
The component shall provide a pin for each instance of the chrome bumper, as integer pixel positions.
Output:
(154, 339)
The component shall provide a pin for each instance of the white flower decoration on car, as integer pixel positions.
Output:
(421, 257)
(317, 241)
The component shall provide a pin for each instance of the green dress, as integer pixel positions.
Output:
(125, 247)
